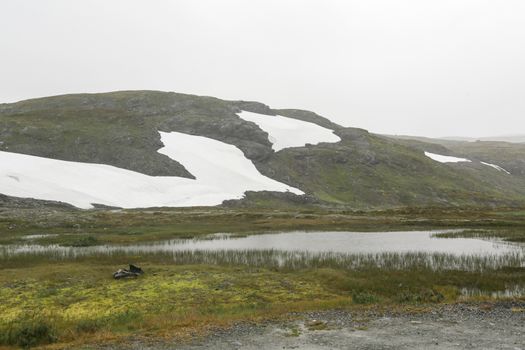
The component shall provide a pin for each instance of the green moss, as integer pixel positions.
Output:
(80, 299)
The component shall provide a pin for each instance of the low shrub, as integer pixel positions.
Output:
(27, 333)
(86, 241)
(425, 295)
(89, 326)
(364, 298)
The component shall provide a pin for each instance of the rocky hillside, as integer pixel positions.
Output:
(361, 171)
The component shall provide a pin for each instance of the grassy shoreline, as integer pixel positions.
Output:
(505, 234)
(78, 227)
(70, 302)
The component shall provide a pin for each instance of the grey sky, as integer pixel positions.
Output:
(431, 68)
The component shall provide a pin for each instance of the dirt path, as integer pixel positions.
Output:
(500, 326)
(450, 327)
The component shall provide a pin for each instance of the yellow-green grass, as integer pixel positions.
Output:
(79, 299)
(79, 302)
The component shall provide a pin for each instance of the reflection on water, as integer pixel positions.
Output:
(32, 237)
(312, 242)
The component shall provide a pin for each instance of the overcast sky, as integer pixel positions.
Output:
(434, 68)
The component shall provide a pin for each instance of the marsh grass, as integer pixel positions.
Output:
(509, 235)
(283, 260)
(131, 226)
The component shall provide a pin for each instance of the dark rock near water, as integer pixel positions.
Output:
(134, 271)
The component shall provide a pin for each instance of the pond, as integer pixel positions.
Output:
(297, 241)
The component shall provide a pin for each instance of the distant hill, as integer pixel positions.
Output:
(506, 138)
(156, 148)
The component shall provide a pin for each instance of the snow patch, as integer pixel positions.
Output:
(449, 159)
(221, 170)
(497, 167)
(445, 159)
(284, 132)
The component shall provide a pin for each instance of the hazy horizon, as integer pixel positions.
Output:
(446, 69)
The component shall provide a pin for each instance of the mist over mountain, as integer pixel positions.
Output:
(502, 138)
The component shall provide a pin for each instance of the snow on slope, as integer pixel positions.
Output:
(449, 159)
(497, 167)
(218, 164)
(221, 170)
(286, 132)
(445, 159)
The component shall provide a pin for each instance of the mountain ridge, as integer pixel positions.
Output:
(362, 170)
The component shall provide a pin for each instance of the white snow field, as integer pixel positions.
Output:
(448, 159)
(221, 170)
(445, 159)
(284, 132)
(497, 167)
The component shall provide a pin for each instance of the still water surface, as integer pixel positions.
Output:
(313, 242)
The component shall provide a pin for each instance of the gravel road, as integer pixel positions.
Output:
(501, 326)
(458, 326)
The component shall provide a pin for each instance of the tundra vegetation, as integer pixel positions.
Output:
(57, 301)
